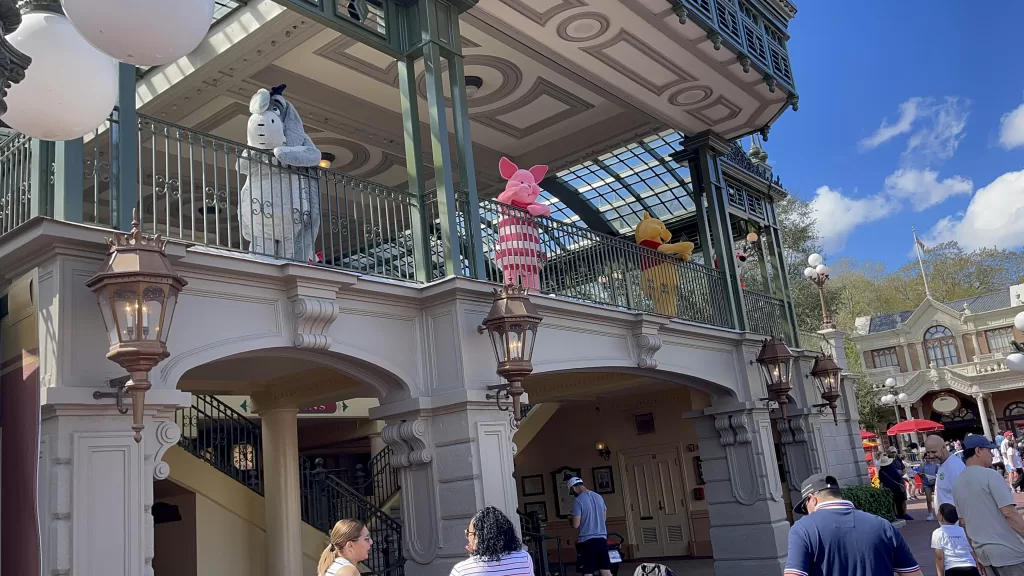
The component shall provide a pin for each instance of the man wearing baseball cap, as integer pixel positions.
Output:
(836, 539)
(988, 511)
(589, 516)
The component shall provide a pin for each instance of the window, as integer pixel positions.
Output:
(999, 339)
(884, 358)
(941, 347)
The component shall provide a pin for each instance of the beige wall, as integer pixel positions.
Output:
(175, 542)
(230, 524)
(569, 437)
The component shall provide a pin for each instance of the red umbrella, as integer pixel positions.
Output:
(865, 435)
(911, 426)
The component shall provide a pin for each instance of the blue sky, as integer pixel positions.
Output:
(911, 114)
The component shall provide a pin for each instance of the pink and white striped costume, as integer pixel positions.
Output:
(519, 251)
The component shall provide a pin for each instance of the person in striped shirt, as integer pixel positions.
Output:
(836, 539)
(494, 547)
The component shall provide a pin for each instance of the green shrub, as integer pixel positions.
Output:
(877, 501)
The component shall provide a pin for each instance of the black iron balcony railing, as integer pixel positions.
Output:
(224, 438)
(213, 192)
(380, 482)
(767, 315)
(750, 30)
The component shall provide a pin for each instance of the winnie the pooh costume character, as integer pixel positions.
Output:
(279, 207)
(659, 277)
(519, 249)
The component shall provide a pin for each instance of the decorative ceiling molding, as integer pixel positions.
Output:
(602, 52)
(360, 154)
(221, 117)
(337, 51)
(542, 87)
(542, 15)
(732, 111)
(511, 79)
(678, 98)
(566, 27)
(387, 162)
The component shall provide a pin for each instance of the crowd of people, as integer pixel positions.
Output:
(967, 486)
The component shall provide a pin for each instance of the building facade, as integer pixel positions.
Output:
(353, 381)
(949, 358)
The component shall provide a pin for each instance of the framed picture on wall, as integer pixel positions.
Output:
(604, 483)
(644, 423)
(538, 508)
(533, 485)
(563, 499)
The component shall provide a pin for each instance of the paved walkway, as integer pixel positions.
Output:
(918, 533)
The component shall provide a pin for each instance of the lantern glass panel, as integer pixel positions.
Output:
(107, 311)
(125, 301)
(498, 342)
(515, 342)
(165, 324)
(529, 339)
(151, 315)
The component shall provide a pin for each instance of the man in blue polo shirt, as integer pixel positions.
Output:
(835, 539)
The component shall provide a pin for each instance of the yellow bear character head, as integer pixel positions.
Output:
(652, 229)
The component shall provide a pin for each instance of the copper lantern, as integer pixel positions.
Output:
(137, 290)
(776, 362)
(827, 374)
(512, 325)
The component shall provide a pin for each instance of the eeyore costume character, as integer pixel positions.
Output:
(279, 205)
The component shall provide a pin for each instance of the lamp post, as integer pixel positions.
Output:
(1015, 361)
(776, 362)
(828, 375)
(893, 399)
(817, 272)
(512, 326)
(137, 290)
(17, 62)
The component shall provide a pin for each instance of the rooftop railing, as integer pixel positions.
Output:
(208, 191)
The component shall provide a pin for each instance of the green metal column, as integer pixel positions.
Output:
(68, 185)
(701, 153)
(414, 167)
(124, 163)
(464, 145)
(779, 263)
(40, 165)
(434, 19)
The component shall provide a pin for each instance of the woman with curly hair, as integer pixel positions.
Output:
(348, 545)
(494, 547)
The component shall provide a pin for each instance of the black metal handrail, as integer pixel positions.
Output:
(325, 499)
(221, 436)
(381, 482)
(535, 541)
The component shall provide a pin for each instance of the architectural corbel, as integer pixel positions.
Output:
(647, 342)
(747, 441)
(314, 308)
(167, 434)
(412, 453)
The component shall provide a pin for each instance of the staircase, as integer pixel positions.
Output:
(224, 438)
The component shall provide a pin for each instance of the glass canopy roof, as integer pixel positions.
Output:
(618, 187)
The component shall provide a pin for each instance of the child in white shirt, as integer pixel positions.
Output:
(953, 553)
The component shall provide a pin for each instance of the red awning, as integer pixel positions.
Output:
(865, 435)
(911, 426)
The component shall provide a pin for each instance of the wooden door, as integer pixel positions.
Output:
(657, 503)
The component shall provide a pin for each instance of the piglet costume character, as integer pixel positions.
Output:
(279, 207)
(519, 246)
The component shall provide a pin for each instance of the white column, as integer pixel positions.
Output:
(281, 490)
(977, 348)
(96, 482)
(995, 415)
(983, 413)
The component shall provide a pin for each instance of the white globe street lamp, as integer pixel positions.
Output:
(72, 87)
(890, 382)
(142, 32)
(1015, 361)
(817, 272)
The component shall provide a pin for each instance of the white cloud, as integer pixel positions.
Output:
(993, 219)
(1011, 130)
(923, 189)
(838, 215)
(935, 129)
(909, 111)
(941, 133)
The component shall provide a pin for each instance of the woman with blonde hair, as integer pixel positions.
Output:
(348, 545)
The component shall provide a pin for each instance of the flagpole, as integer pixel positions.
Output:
(919, 246)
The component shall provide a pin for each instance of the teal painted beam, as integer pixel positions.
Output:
(124, 165)
(68, 180)
(41, 158)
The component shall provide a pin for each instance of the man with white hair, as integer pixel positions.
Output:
(950, 467)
